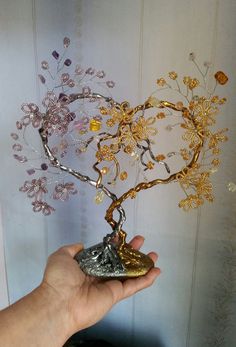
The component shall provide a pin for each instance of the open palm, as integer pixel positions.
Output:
(88, 298)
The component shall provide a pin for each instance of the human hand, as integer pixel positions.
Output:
(87, 299)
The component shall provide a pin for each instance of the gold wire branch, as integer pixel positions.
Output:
(131, 193)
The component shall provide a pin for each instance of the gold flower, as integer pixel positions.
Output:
(126, 138)
(219, 136)
(209, 197)
(142, 130)
(105, 153)
(119, 114)
(192, 135)
(192, 201)
(215, 162)
(203, 184)
(184, 154)
(193, 83)
(204, 113)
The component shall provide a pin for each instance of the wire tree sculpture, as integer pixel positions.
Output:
(79, 115)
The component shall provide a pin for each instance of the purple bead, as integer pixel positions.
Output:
(42, 79)
(30, 171)
(67, 62)
(55, 54)
(44, 167)
(62, 97)
(19, 125)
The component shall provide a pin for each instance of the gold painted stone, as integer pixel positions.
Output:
(135, 263)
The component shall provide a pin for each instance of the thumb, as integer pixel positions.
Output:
(72, 249)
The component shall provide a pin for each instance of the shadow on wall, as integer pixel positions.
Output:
(141, 340)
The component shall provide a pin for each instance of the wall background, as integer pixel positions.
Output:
(135, 41)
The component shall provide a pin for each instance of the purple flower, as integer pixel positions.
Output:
(81, 124)
(58, 115)
(39, 206)
(35, 188)
(63, 191)
(32, 115)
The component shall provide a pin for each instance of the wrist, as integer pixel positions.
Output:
(55, 309)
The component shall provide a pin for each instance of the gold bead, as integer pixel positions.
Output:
(94, 125)
(215, 99)
(160, 157)
(213, 170)
(222, 101)
(104, 170)
(186, 80)
(153, 101)
(128, 149)
(173, 75)
(160, 115)
(216, 151)
(161, 82)
(232, 187)
(221, 77)
(99, 197)
(110, 122)
(103, 111)
(133, 194)
(123, 175)
(179, 105)
(150, 165)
